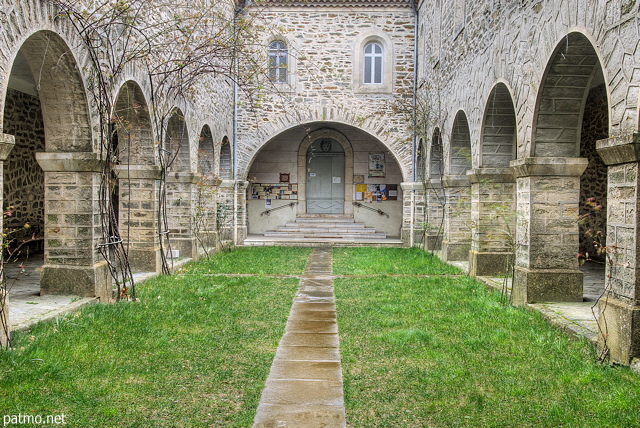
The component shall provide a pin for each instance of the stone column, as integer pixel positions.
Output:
(413, 210)
(7, 142)
(434, 194)
(547, 195)
(620, 306)
(456, 241)
(205, 212)
(180, 198)
(241, 212)
(73, 264)
(493, 219)
(138, 223)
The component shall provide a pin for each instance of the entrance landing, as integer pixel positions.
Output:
(304, 387)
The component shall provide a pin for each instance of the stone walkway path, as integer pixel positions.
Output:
(304, 387)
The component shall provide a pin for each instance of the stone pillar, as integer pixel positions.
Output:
(434, 195)
(7, 142)
(73, 264)
(456, 241)
(413, 210)
(493, 219)
(620, 306)
(241, 212)
(180, 199)
(205, 212)
(138, 223)
(547, 195)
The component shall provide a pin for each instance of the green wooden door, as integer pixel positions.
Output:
(325, 179)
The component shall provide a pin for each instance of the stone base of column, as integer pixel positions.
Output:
(5, 331)
(145, 260)
(433, 242)
(489, 263)
(187, 247)
(455, 252)
(620, 323)
(546, 285)
(242, 235)
(88, 281)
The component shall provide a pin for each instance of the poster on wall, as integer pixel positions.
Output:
(376, 164)
(360, 191)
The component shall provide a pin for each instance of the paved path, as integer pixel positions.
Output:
(304, 387)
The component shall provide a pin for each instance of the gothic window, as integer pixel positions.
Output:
(373, 60)
(278, 61)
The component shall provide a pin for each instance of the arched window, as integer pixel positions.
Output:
(373, 55)
(278, 61)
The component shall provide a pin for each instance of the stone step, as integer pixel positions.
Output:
(325, 220)
(293, 229)
(372, 235)
(323, 224)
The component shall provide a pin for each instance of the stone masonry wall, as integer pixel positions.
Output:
(23, 178)
(322, 43)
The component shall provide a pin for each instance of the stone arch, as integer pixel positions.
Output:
(49, 61)
(348, 159)
(133, 125)
(562, 97)
(459, 154)
(226, 161)
(176, 143)
(206, 152)
(376, 126)
(498, 138)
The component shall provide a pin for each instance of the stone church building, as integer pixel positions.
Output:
(490, 131)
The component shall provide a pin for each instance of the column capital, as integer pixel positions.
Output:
(150, 172)
(549, 166)
(409, 186)
(492, 175)
(620, 149)
(455, 181)
(7, 142)
(69, 162)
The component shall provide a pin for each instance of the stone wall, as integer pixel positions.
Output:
(323, 42)
(23, 184)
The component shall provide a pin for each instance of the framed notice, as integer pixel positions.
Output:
(376, 164)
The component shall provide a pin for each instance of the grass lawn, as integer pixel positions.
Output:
(389, 261)
(444, 352)
(195, 351)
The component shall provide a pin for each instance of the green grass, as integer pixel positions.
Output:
(403, 261)
(254, 260)
(444, 352)
(195, 351)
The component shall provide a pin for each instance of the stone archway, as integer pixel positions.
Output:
(46, 70)
(456, 239)
(138, 176)
(493, 213)
(548, 235)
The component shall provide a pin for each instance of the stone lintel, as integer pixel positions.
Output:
(435, 182)
(408, 186)
(455, 181)
(620, 322)
(7, 142)
(547, 285)
(549, 166)
(69, 162)
(485, 263)
(88, 281)
(148, 172)
(619, 150)
(491, 175)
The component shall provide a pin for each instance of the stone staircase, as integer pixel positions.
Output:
(328, 229)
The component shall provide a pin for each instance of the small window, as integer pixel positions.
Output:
(373, 64)
(278, 62)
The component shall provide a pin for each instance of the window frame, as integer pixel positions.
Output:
(372, 37)
(278, 72)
